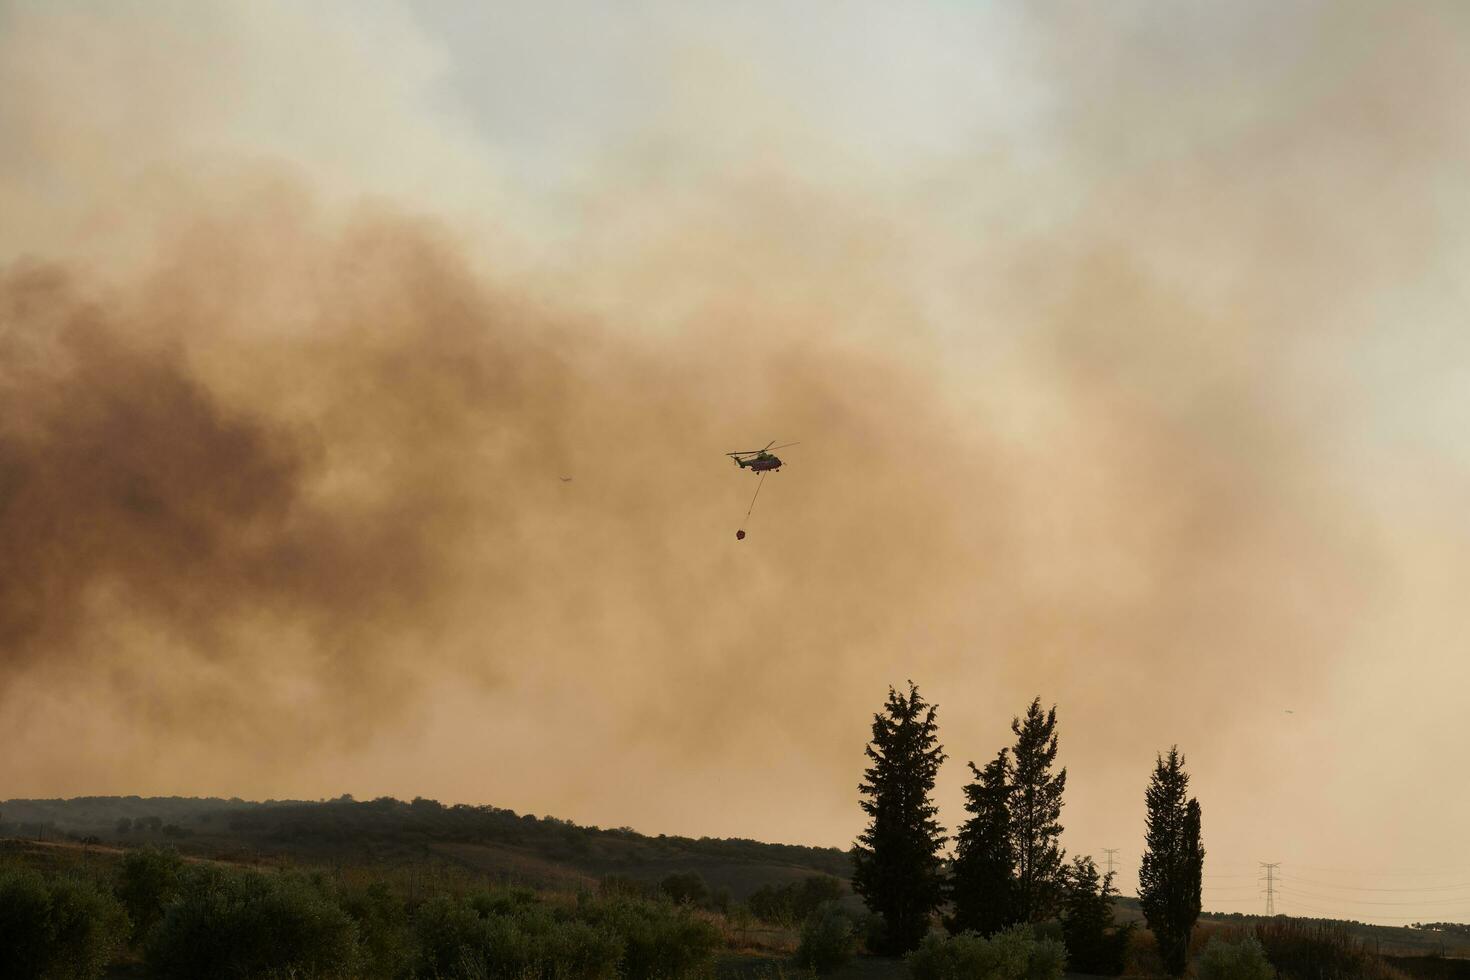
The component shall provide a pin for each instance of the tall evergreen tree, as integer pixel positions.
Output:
(896, 863)
(1036, 808)
(984, 870)
(1170, 876)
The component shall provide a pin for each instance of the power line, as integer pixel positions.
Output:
(1399, 873)
(1270, 885)
(1371, 888)
(1463, 901)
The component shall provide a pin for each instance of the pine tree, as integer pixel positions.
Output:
(1093, 944)
(1170, 877)
(1036, 808)
(983, 875)
(896, 863)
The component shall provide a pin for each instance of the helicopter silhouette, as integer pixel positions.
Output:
(760, 460)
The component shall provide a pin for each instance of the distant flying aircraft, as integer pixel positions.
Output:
(566, 479)
(1290, 712)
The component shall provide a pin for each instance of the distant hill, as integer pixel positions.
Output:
(499, 843)
(1428, 939)
(503, 846)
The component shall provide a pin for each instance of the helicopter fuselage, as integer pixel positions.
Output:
(761, 463)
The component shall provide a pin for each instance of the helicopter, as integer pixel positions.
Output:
(760, 460)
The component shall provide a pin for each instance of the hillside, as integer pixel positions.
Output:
(497, 843)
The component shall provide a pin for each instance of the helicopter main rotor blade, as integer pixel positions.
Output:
(782, 446)
(768, 446)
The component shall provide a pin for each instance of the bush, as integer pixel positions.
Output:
(249, 924)
(1014, 954)
(1318, 952)
(486, 937)
(662, 942)
(61, 929)
(623, 886)
(828, 939)
(793, 902)
(686, 888)
(446, 938)
(382, 930)
(147, 880)
(1243, 959)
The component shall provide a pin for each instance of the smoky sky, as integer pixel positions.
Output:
(1122, 348)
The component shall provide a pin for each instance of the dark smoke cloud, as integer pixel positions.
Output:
(365, 490)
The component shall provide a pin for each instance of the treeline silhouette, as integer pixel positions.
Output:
(348, 825)
(1009, 869)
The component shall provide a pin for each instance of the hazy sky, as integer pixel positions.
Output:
(1125, 345)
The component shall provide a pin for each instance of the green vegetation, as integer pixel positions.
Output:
(1036, 808)
(147, 881)
(1008, 864)
(982, 886)
(56, 928)
(1012, 954)
(227, 922)
(1307, 952)
(387, 890)
(1241, 959)
(1170, 877)
(207, 919)
(1094, 944)
(788, 904)
(828, 939)
(896, 861)
(487, 841)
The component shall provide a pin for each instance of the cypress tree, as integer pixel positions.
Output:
(1170, 876)
(1036, 808)
(983, 883)
(896, 863)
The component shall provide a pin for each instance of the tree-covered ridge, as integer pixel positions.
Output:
(345, 821)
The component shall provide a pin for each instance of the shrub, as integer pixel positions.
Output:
(507, 901)
(249, 924)
(455, 940)
(685, 888)
(1243, 959)
(61, 929)
(446, 936)
(828, 939)
(382, 930)
(1013, 954)
(623, 886)
(148, 879)
(1318, 952)
(1142, 958)
(662, 942)
(795, 901)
